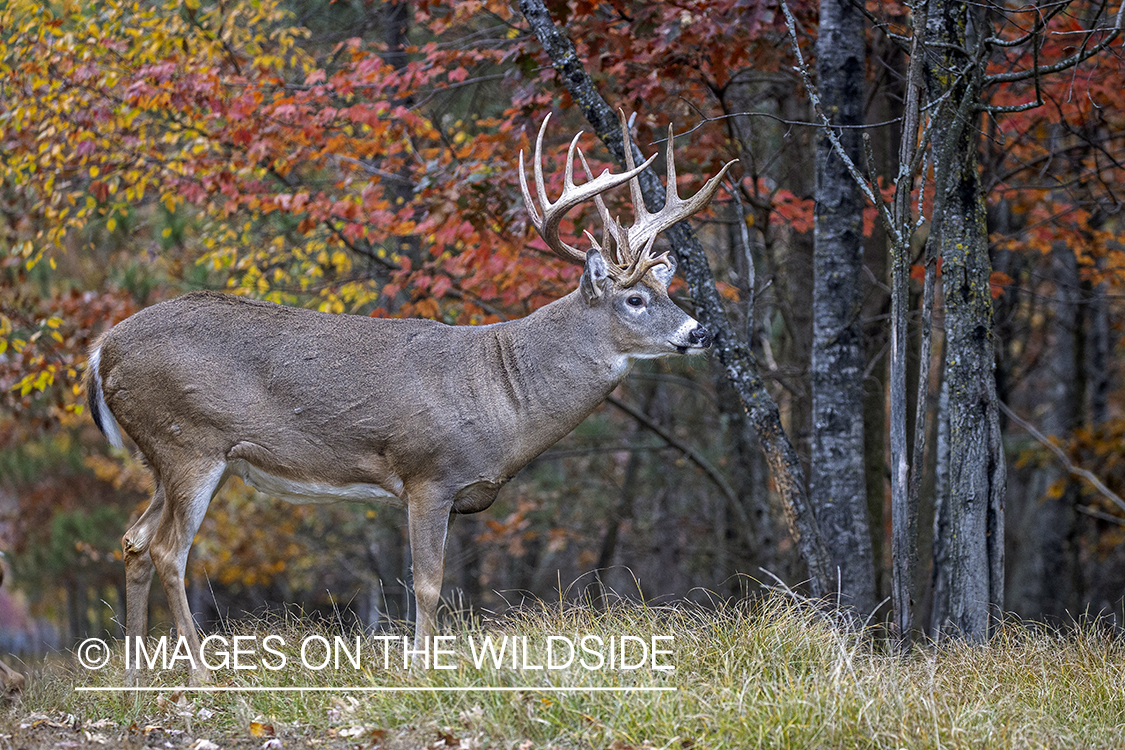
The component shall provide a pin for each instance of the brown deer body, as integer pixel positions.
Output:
(312, 407)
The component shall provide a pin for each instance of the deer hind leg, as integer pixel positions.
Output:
(188, 496)
(429, 524)
(138, 573)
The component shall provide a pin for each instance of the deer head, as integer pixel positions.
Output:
(622, 274)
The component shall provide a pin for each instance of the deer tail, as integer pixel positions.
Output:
(99, 410)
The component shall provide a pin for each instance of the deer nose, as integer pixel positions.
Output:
(700, 337)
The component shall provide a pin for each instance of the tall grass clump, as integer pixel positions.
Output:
(769, 672)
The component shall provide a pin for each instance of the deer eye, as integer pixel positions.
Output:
(635, 301)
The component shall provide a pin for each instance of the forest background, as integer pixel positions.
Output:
(360, 157)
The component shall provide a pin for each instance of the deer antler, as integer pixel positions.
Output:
(629, 249)
(548, 224)
(648, 226)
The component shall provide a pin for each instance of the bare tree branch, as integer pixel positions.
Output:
(689, 452)
(1070, 62)
(1064, 459)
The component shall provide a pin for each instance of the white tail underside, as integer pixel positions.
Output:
(104, 416)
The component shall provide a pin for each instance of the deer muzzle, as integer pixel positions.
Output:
(700, 337)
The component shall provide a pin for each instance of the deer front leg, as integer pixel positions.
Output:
(138, 575)
(429, 523)
(187, 499)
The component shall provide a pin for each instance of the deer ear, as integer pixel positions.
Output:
(594, 277)
(665, 271)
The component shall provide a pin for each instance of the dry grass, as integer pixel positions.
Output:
(770, 673)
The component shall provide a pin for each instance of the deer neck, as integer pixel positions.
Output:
(554, 367)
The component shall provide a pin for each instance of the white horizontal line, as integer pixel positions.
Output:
(378, 689)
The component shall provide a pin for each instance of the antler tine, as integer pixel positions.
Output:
(640, 210)
(675, 208)
(626, 267)
(642, 263)
(636, 265)
(548, 224)
(528, 202)
(611, 241)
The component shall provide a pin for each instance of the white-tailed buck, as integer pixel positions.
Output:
(312, 407)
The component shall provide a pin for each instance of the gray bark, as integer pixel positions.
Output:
(836, 476)
(939, 574)
(877, 308)
(735, 357)
(974, 546)
(904, 492)
(976, 461)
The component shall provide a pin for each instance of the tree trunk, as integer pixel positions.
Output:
(735, 357)
(1098, 350)
(939, 573)
(1041, 582)
(904, 488)
(974, 546)
(761, 542)
(837, 486)
(396, 18)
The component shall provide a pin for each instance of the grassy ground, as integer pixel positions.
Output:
(767, 674)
